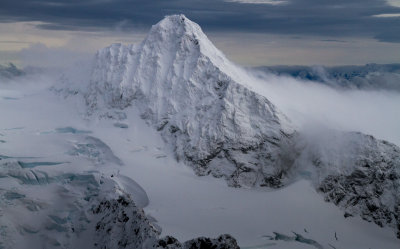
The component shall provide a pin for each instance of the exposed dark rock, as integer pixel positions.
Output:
(222, 242)
(123, 225)
(372, 189)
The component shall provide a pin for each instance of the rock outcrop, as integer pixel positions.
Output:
(369, 184)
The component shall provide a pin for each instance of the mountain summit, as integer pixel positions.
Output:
(177, 32)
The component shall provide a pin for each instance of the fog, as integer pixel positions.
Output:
(312, 104)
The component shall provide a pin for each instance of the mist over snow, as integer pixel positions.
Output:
(312, 104)
(40, 66)
(50, 58)
(368, 77)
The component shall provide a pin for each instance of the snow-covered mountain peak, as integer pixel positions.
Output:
(176, 34)
(189, 91)
(176, 26)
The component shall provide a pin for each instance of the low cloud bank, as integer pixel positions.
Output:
(367, 77)
(311, 103)
(39, 55)
(42, 66)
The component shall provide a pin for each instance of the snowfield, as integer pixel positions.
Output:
(155, 139)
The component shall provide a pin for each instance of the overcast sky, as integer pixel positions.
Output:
(250, 32)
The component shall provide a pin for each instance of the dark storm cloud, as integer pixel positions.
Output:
(333, 18)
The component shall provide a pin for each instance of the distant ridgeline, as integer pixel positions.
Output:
(370, 76)
(10, 71)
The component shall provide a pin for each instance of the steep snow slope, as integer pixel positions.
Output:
(182, 84)
(205, 107)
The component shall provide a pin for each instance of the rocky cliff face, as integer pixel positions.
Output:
(370, 185)
(356, 172)
(122, 225)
